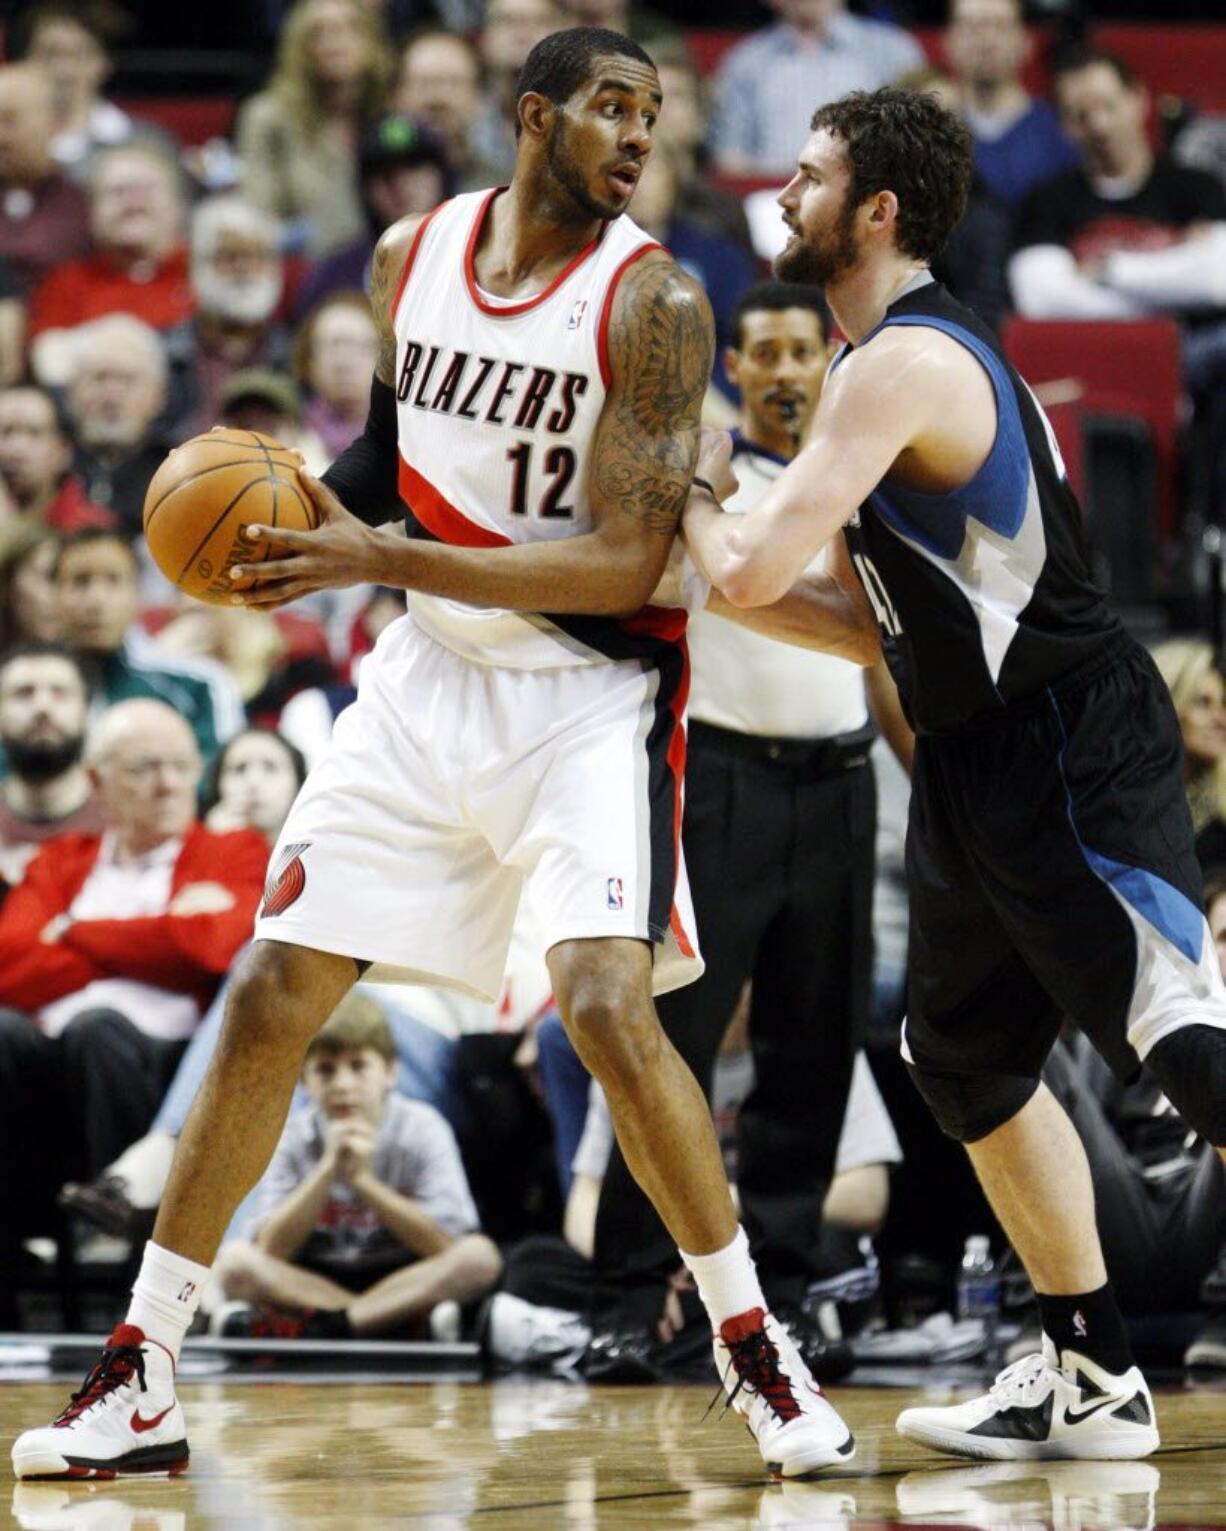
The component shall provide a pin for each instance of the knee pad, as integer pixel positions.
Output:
(1190, 1065)
(968, 1107)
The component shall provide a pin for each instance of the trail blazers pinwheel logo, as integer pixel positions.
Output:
(286, 880)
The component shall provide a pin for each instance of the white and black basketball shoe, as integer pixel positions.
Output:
(1045, 1405)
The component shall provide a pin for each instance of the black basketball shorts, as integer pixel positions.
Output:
(1052, 876)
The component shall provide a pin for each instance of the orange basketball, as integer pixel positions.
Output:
(205, 494)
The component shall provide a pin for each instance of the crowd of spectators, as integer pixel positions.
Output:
(149, 750)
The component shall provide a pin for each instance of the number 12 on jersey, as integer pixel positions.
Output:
(559, 468)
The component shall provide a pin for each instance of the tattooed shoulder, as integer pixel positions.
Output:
(386, 267)
(662, 339)
(661, 346)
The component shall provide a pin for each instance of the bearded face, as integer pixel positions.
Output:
(820, 215)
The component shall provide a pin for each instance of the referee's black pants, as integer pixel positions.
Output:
(778, 838)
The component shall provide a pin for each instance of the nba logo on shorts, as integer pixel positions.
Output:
(573, 323)
(616, 901)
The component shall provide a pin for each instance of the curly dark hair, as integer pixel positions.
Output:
(905, 142)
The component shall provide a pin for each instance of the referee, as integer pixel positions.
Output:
(780, 813)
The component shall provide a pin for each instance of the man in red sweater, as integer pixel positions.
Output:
(110, 948)
(139, 262)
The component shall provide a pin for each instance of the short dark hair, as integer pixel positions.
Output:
(773, 297)
(904, 141)
(1078, 56)
(211, 790)
(88, 535)
(561, 62)
(42, 648)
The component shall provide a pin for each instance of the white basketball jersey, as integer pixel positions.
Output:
(497, 404)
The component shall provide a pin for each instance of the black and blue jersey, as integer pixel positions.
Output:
(984, 593)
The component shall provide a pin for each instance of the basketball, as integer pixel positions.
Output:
(204, 495)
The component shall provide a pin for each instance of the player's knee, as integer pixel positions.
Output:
(603, 992)
(968, 1107)
(614, 1032)
(272, 1002)
(1190, 1065)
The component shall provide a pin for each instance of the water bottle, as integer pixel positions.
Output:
(979, 1287)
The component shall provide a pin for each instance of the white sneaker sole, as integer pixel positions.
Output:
(805, 1463)
(1109, 1446)
(39, 1462)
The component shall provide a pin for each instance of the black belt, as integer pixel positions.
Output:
(816, 757)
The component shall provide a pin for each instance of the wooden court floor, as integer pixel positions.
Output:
(538, 1455)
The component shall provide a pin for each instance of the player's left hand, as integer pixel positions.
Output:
(340, 551)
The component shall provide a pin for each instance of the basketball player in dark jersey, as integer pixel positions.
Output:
(1050, 855)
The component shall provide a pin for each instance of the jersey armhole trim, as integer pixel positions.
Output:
(411, 258)
(606, 310)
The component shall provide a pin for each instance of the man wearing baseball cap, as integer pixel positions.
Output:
(403, 171)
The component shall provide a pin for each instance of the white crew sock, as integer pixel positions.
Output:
(165, 1296)
(727, 1280)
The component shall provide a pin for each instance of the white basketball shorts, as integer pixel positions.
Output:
(451, 786)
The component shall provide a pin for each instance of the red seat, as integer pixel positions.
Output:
(1126, 367)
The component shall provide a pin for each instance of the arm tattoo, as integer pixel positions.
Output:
(385, 268)
(661, 345)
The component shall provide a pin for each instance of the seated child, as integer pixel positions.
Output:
(364, 1219)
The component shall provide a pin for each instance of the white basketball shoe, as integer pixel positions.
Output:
(125, 1420)
(1045, 1405)
(797, 1430)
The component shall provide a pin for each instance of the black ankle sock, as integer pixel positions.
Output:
(1089, 1323)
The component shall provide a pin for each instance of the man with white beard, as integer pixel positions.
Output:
(237, 279)
(116, 393)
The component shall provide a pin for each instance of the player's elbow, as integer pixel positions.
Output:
(746, 582)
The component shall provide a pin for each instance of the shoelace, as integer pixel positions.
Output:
(115, 1369)
(756, 1363)
(1019, 1383)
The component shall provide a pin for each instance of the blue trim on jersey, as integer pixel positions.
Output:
(1171, 913)
(998, 494)
(740, 446)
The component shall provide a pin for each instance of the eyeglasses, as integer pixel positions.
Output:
(145, 769)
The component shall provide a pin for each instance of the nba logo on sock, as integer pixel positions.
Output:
(573, 323)
(1079, 1324)
(615, 898)
(186, 1290)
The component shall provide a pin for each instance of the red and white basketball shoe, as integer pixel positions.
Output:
(125, 1420)
(797, 1430)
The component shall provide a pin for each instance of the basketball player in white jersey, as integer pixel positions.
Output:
(536, 406)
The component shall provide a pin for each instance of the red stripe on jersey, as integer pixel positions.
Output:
(440, 517)
(509, 310)
(676, 752)
(606, 312)
(409, 259)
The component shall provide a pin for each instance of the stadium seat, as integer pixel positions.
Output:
(1129, 368)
